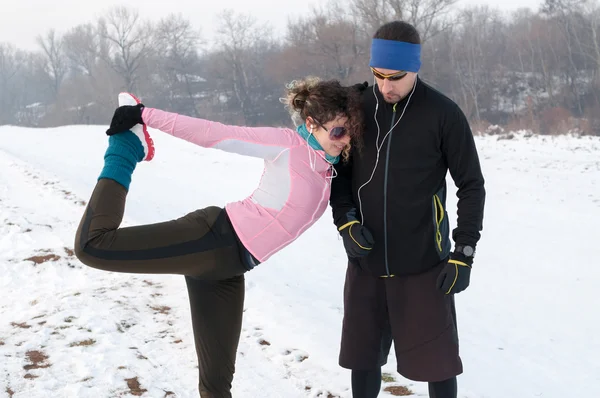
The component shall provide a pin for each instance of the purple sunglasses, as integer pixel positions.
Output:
(336, 133)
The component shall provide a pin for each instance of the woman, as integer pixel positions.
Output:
(213, 247)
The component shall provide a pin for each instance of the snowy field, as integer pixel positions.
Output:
(529, 323)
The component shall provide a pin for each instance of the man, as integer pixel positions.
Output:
(389, 206)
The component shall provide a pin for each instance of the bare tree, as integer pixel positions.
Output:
(177, 44)
(593, 11)
(372, 13)
(587, 32)
(477, 58)
(566, 12)
(21, 76)
(9, 67)
(129, 40)
(425, 15)
(56, 65)
(329, 43)
(82, 48)
(88, 96)
(243, 46)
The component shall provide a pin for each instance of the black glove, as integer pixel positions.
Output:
(125, 118)
(358, 241)
(455, 275)
(361, 86)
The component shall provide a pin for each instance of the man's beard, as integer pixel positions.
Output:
(392, 99)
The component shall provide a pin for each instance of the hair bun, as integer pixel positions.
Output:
(299, 100)
(299, 97)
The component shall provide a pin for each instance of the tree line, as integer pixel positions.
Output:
(537, 70)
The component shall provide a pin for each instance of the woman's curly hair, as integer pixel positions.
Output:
(324, 101)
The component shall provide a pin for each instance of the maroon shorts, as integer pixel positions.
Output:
(410, 312)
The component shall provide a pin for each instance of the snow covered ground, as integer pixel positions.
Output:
(528, 323)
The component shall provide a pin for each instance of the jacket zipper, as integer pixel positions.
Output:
(385, 184)
(439, 217)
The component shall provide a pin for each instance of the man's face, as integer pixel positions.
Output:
(394, 90)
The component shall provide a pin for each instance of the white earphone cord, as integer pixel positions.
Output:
(377, 146)
(313, 164)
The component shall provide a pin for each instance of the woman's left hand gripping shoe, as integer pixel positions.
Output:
(128, 117)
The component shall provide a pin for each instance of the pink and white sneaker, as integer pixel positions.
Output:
(139, 129)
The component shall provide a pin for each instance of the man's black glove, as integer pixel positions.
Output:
(361, 86)
(455, 275)
(358, 241)
(125, 118)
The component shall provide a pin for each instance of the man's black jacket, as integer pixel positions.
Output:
(401, 197)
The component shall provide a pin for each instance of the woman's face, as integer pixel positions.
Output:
(330, 135)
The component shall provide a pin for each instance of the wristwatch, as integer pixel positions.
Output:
(467, 251)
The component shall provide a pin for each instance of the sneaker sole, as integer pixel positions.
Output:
(139, 129)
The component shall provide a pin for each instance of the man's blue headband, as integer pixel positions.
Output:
(395, 55)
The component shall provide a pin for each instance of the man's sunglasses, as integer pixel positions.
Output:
(392, 77)
(336, 133)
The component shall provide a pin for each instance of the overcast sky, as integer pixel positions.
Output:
(22, 20)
